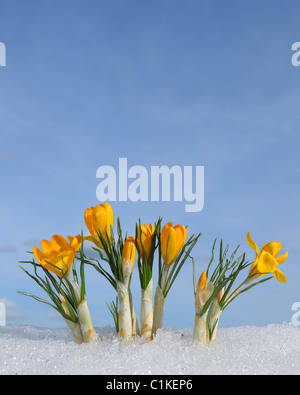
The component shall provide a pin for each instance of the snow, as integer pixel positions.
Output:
(273, 349)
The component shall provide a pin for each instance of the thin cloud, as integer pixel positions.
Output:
(5, 157)
(8, 249)
(11, 309)
(53, 315)
(9, 304)
(32, 242)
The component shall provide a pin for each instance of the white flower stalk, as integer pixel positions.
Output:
(135, 324)
(214, 315)
(125, 321)
(159, 306)
(127, 270)
(128, 256)
(74, 326)
(159, 301)
(84, 316)
(200, 333)
(76, 330)
(146, 236)
(174, 249)
(204, 291)
(85, 321)
(147, 312)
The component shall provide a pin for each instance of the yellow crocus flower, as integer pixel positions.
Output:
(267, 260)
(58, 254)
(145, 233)
(172, 240)
(99, 218)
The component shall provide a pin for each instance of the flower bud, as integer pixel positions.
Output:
(172, 241)
(128, 256)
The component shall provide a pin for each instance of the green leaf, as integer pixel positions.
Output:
(114, 310)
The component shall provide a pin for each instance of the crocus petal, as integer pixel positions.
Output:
(280, 259)
(63, 262)
(110, 214)
(182, 236)
(75, 242)
(169, 245)
(172, 241)
(252, 244)
(68, 260)
(144, 239)
(279, 276)
(129, 250)
(273, 248)
(253, 272)
(88, 219)
(266, 263)
(59, 243)
(179, 240)
(164, 229)
(203, 280)
(99, 220)
(151, 229)
(46, 246)
(50, 262)
(38, 254)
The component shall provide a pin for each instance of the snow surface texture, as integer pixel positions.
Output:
(274, 349)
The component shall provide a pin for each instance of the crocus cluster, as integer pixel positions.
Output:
(56, 258)
(55, 270)
(167, 243)
(214, 295)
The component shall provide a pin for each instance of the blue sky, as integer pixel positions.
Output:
(198, 83)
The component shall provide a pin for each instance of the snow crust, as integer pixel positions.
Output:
(269, 350)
